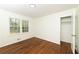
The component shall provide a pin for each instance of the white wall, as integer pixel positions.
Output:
(48, 27)
(5, 36)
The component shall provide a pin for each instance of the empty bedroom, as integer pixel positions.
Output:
(38, 28)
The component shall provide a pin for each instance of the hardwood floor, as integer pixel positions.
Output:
(66, 48)
(33, 46)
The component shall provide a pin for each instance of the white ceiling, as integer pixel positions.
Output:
(40, 10)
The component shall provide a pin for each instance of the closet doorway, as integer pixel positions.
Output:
(66, 30)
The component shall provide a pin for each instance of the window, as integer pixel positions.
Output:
(14, 25)
(24, 26)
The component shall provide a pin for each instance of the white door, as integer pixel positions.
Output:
(77, 35)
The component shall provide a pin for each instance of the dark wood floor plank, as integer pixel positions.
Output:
(66, 48)
(34, 46)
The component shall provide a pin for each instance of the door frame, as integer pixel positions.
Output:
(72, 14)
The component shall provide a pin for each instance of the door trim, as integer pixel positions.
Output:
(73, 31)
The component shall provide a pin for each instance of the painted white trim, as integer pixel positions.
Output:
(72, 13)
